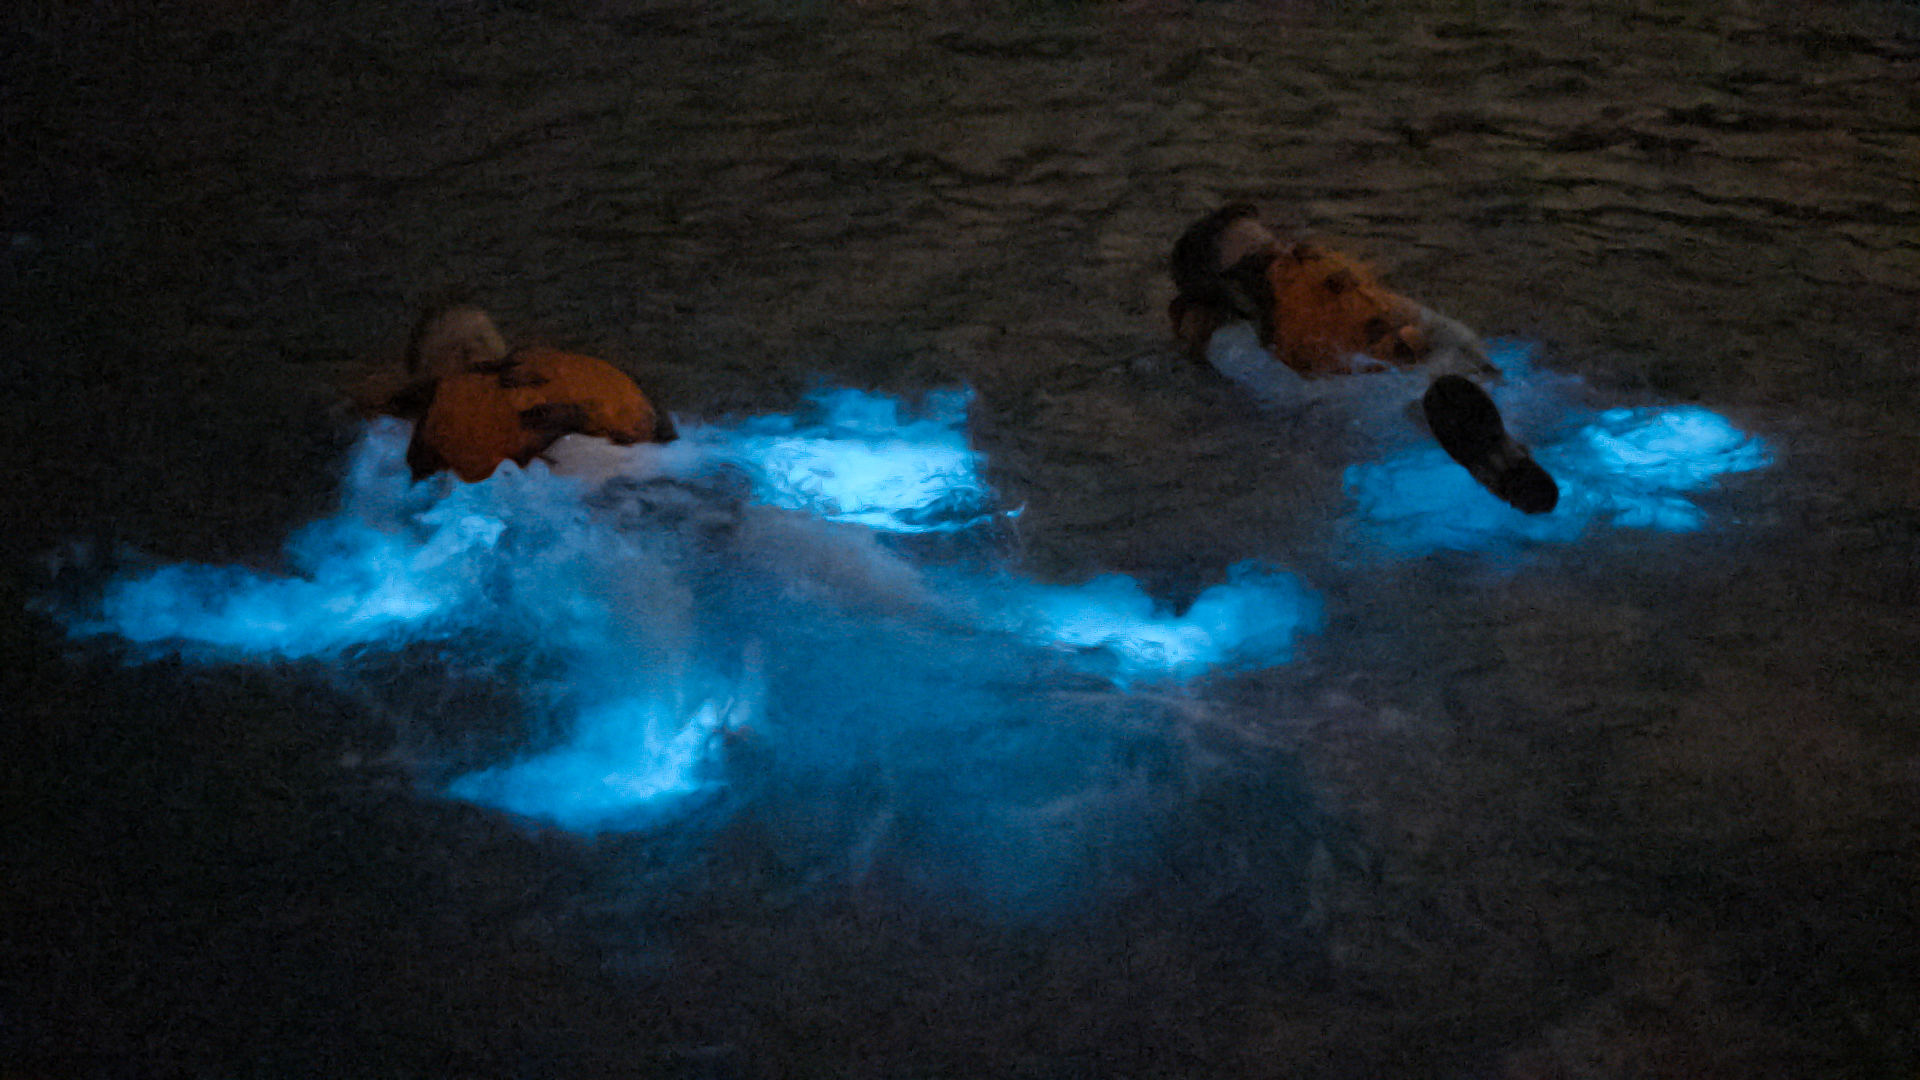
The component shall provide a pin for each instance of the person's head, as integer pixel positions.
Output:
(451, 339)
(1219, 273)
(1216, 250)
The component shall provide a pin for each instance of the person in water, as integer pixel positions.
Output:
(1267, 313)
(475, 403)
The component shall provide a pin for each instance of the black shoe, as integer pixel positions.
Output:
(1467, 424)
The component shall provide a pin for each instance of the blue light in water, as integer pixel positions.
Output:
(1676, 449)
(1249, 621)
(1625, 468)
(625, 759)
(353, 579)
(651, 618)
(852, 457)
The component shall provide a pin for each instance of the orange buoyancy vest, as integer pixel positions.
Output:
(1328, 308)
(513, 409)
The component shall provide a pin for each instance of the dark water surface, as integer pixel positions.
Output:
(1641, 806)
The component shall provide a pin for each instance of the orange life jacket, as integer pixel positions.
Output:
(1319, 309)
(1328, 308)
(513, 409)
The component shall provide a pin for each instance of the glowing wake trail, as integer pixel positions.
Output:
(653, 591)
(850, 456)
(1626, 468)
(625, 758)
(650, 595)
(355, 578)
(1251, 621)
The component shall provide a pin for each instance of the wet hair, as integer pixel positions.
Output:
(1201, 280)
(444, 325)
(1196, 253)
(1210, 295)
(433, 306)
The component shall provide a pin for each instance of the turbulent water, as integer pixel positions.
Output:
(755, 589)
(736, 592)
(1261, 742)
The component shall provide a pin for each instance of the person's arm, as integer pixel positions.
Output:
(1235, 351)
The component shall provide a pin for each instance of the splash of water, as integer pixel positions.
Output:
(1250, 620)
(356, 577)
(1635, 468)
(627, 762)
(745, 587)
(853, 456)
(683, 619)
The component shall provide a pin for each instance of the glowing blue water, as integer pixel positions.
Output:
(1624, 468)
(933, 711)
(852, 456)
(354, 579)
(683, 620)
(1250, 620)
(626, 763)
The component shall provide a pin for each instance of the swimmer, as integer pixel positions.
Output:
(1268, 314)
(475, 403)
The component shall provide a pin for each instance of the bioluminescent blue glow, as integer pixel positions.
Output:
(851, 456)
(625, 759)
(1251, 620)
(672, 619)
(1672, 449)
(353, 579)
(1624, 468)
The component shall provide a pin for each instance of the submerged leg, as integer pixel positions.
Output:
(1468, 426)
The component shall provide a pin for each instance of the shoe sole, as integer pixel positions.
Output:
(1467, 424)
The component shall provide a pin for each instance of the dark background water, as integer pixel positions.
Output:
(1642, 808)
